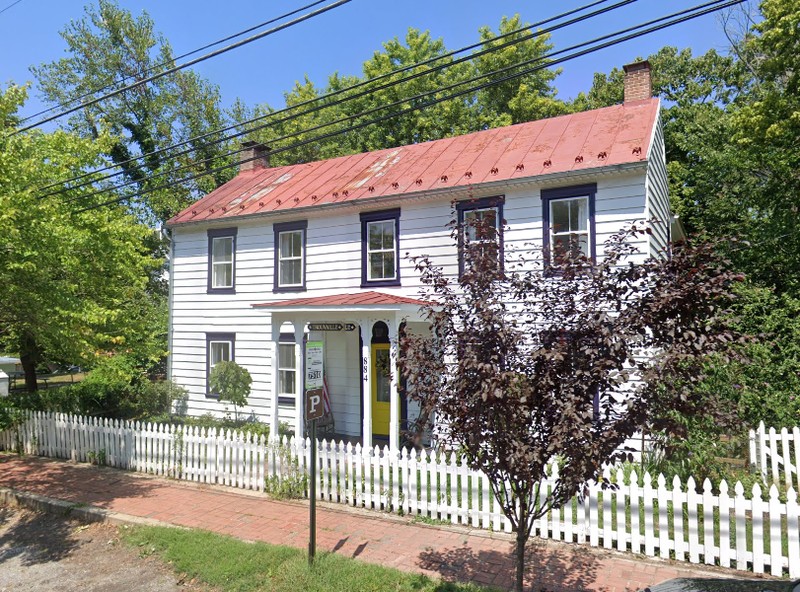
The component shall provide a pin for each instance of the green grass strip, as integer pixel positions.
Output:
(232, 565)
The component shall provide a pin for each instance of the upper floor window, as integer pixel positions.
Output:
(290, 256)
(481, 224)
(380, 261)
(569, 223)
(219, 348)
(221, 260)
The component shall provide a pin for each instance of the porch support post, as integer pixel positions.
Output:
(276, 379)
(394, 397)
(299, 376)
(365, 326)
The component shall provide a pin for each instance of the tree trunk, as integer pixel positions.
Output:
(29, 356)
(522, 538)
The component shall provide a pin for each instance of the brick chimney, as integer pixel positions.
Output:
(256, 155)
(638, 85)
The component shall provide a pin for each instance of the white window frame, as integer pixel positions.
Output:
(570, 233)
(292, 258)
(392, 224)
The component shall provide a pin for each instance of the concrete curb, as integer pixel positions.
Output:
(78, 511)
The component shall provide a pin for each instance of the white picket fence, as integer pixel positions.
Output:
(731, 527)
(776, 454)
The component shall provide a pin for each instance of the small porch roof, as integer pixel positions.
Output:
(360, 302)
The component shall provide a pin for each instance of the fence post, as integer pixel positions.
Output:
(793, 533)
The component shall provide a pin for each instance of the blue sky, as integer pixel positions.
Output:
(340, 40)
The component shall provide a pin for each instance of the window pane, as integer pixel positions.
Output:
(375, 238)
(290, 243)
(388, 235)
(559, 215)
(582, 242)
(291, 272)
(222, 249)
(287, 382)
(388, 265)
(222, 275)
(286, 355)
(481, 224)
(383, 377)
(578, 213)
(220, 352)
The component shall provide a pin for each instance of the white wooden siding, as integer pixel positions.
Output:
(333, 265)
(657, 189)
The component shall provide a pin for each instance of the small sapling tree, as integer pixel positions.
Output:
(232, 383)
(528, 363)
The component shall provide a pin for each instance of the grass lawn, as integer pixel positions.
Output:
(230, 564)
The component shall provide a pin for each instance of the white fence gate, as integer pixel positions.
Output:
(750, 530)
(776, 454)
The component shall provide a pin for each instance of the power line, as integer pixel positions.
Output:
(174, 69)
(12, 5)
(679, 17)
(172, 60)
(338, 121)
(323, 99)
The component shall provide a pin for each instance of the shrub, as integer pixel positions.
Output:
(232, 383)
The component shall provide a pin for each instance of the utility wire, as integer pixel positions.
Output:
(12, 5)
(681, 17)
(323, 99)
(402, 101)
(174, 69)
(170, 61)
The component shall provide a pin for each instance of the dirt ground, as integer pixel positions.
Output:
(44, 552)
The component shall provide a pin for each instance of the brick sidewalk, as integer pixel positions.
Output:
(444, 552)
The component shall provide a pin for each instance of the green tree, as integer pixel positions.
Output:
(529, 97)
(70, 278)
(232, 383)
(109, 48)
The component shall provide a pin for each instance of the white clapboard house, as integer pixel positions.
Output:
(280, 255)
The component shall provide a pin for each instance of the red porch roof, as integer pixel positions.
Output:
(615, 135)
(369, 298)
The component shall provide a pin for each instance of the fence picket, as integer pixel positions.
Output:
(729, 528)
(775, 536)
(758, 530)
(793, 532)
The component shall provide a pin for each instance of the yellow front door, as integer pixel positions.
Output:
(381, 385)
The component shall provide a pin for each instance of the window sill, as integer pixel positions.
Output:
(223, 291)
(289, 289)
(287, 401)
(380, 283)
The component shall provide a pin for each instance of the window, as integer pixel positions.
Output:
(568, 215)
(219, 348)
(380, 261)
(221, 261)
(481, 223)
(290, 256)
(287, 371)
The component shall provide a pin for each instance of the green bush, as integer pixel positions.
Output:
(232, 383)
(116, 387)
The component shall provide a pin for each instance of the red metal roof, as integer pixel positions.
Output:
(369, 298)
(580, 141)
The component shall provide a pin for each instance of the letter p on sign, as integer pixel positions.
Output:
(314, 407)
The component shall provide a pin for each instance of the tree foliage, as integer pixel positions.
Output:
(231, 382)
(73, 281)
(536, 364)
(109, 48)
(528, 97)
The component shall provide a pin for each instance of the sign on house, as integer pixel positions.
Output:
(313, 383)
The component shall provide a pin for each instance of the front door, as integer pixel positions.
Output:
(381, 385)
